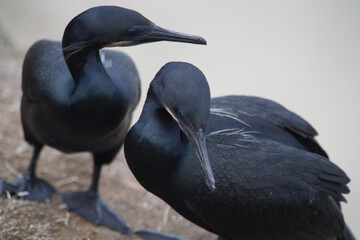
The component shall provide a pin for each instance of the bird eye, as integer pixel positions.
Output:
(132, 33)
(180, 115)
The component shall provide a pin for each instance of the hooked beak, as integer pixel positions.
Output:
(155, 33)
(198, 141)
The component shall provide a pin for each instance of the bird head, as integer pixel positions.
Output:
(109, 26)
(182, 89)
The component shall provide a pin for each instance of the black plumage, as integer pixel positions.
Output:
(78, 99)
(270, 179)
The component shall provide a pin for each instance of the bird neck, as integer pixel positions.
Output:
(82, 62)
(95, 89)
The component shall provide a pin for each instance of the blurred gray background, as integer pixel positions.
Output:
(302, 54)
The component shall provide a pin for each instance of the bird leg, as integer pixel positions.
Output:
(90, 206)
(30, 187)
(153, 235)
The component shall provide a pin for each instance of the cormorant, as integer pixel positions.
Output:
(74, 102)
(241, 167)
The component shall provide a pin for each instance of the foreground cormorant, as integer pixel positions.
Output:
(241, 167)
(77, 99)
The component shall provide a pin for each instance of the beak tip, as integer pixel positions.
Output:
(202, 41)
(211, 184)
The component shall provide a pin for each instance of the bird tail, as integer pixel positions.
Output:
(347, 234)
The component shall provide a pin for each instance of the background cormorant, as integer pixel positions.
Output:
(75, 102)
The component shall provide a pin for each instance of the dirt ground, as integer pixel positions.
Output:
(31, 220)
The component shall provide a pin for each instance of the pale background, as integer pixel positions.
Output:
(302, 54)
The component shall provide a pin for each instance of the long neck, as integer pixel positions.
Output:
(95, 91)
(88, 72)
(81, 60)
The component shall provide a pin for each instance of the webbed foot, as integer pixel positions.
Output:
(34, 188)
(91, 207)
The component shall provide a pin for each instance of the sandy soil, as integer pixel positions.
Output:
(31, 220)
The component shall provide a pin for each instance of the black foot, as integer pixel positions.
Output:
(35, 189)
(153, 235)
(94, 209)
